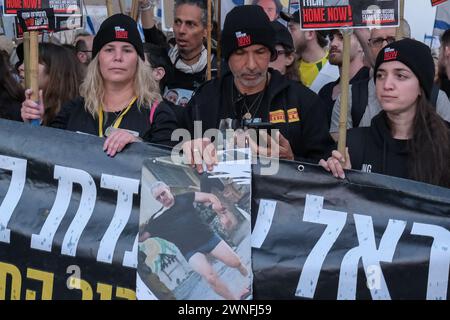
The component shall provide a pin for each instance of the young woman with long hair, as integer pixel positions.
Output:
(59, 80)
(407, 139)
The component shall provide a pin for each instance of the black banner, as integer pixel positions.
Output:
(67, 212)
(331, 14)
(323, 238)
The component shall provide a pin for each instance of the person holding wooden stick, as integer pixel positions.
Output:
(59, 81)
(407, 138)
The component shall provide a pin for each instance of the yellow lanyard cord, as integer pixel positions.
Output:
(118, 119)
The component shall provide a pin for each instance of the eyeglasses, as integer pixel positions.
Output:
(378, 42)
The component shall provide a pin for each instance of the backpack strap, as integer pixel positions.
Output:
(360, 99)
(434, 95)
(152, 111)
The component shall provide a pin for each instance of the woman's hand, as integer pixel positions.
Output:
(117, 141)
(30, 109)
(337, 163)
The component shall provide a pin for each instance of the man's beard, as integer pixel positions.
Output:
(300, 48)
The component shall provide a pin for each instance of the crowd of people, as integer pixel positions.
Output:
(273, 75)
(125, 90)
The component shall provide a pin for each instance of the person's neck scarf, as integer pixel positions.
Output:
(182, 66)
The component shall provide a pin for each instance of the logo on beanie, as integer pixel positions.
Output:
(243, 39)
(390, 54)
(121, 33)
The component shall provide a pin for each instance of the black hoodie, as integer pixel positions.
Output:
(292, 108)
(372, 149)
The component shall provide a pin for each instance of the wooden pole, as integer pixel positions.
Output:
(134, 10)
(109, 8)
(399, 34)
(121, 7)
(26, 58)
(209, 28)
(344, 92)
(34, 65)
(219, 36)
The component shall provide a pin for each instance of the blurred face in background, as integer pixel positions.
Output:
(380, 38)
(269, 7)
(337, 48)
(43, 76)
(284, 59)
(298, 36)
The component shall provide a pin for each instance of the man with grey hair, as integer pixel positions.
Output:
(189, 56)
(180, 224)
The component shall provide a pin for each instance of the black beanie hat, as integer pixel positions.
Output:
(118, 27)
(415, 55)
(245, 26)
(282, 35)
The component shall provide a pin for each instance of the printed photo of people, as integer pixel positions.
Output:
(178, 96)
(194, 232)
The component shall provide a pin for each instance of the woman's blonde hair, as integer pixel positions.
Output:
(92, 89)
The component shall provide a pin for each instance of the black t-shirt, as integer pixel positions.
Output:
(10, 108)
(181, 225)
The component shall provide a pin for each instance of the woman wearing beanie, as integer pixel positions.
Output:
(407, 139)
(119, 98)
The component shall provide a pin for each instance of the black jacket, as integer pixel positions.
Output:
(9, 107)
(74, 117)
(372, 149)
(291, 107)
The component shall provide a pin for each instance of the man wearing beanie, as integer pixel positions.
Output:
(252, 93)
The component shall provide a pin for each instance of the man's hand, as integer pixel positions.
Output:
(198, 151)
(278, 147)
(117, 141)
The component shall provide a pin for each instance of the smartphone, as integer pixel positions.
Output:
(260, 125)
